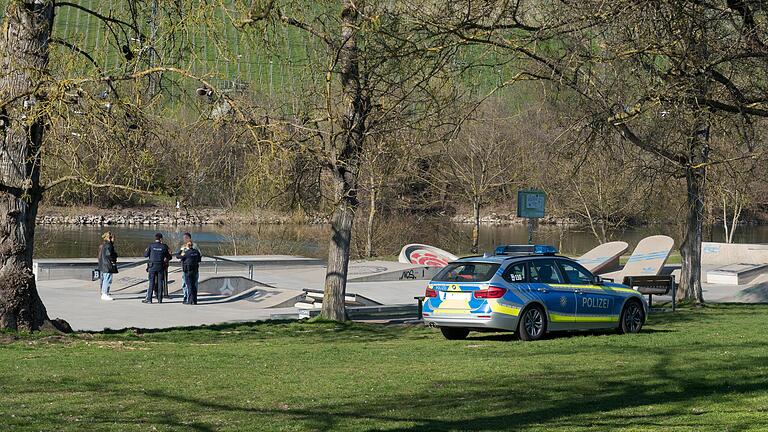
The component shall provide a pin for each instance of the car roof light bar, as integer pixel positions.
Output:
(526, 250)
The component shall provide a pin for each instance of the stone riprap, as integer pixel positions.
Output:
(511, 219)
(165, 217)
(135, 219)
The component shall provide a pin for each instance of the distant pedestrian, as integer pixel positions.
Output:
(187, 239)
(190, 264)
(158, 255)
(107, 264)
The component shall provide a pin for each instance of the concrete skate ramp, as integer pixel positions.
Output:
(736, 274)
(228, 285)
(131, 278)
(76, 268)
(717, 254)
(227, 289)
(604, 257)
(754, 294)
(647, 259)
(425, 255)
(394, 272)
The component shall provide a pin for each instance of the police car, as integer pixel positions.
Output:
(529, 290)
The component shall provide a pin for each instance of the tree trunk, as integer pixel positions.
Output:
(345, 167)
(476, 228)
(371, 219)
(24, 48)
(725, 217)
(690, 283)
(338, 253)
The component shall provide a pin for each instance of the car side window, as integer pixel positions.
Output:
(575, 273)
(545, 271)
(516, 273)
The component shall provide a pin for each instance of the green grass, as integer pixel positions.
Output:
(693, 370)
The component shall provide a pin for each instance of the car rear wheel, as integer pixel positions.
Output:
(454, 333)
(632, 317)
(532, 324)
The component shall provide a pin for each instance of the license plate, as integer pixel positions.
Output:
(457, 296)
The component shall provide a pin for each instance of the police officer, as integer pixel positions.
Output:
(190, 263)
(158, 255)
(187, 239)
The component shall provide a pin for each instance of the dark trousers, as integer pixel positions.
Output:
(190, 277)
(155, 285)
(165, 283)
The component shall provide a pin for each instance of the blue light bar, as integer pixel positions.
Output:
(545, 250)
(526, 250)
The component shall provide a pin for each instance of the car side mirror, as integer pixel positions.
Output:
(597, 280)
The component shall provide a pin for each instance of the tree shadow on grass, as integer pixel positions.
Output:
(319, 332)
(661, 394)
(509, 337)
(550, 401)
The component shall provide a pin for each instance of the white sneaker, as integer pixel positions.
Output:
(106, 297)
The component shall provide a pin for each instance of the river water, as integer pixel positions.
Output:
(58, 241)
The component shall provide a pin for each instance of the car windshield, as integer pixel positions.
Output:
(467, 272)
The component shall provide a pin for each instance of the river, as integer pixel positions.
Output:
(63, 241)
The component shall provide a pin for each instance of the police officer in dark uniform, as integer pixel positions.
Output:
(190, 264)
(158, 255)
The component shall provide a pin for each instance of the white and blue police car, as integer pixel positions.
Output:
(530, 290)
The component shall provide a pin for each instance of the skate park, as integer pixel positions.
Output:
(264, 287)
(231, 289)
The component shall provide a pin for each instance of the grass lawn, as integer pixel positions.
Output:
(689, 371)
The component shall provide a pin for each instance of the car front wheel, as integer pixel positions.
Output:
(532, 324)
(454, 333)
(632, 317)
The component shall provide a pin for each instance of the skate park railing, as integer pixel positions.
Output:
(218, 264)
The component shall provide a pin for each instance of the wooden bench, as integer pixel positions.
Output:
(653, 285)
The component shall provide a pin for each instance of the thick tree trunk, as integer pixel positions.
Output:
(695, 173)
(338, 254)
(690, 283)
(345, 167)
(24, 49)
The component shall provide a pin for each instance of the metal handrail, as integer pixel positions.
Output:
(216, 260)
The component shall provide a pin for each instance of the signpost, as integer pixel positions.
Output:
(531, 204)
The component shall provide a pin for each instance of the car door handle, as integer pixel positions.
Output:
(542, 290)
(579, 292)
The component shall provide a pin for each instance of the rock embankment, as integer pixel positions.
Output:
(155, 218)
(139, 217)
(494, 218)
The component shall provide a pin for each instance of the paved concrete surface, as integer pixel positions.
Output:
(79, 303)
(81, 268)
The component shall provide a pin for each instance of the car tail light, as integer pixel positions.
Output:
(430, 293)
(491, 293)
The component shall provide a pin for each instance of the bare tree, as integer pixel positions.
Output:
(374, 66)
(25, 51)
(481, 158)
(663, 75)
(37, 96)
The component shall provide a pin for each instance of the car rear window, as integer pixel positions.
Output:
(467, 272)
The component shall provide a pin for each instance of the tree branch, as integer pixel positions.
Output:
(627, 133)
(66, 179)
(102, 17)
(12, 190)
